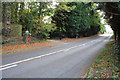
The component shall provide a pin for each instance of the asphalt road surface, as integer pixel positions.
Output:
(65, 60)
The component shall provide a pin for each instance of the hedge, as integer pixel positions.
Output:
(15, 30)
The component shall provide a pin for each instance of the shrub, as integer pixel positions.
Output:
(15, 30)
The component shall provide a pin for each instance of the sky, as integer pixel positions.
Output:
(108, 29)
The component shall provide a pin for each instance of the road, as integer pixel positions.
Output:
(65, 60)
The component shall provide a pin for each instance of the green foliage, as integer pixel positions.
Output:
(34, 20)
(77, 19)
(69, 19)
(43, 30)
(90, 73)
(5, 41)
(14, 12)
(27, 21)
(116, 47)
(15, 30)
(32, 17)
(107, 64)
(102, 28)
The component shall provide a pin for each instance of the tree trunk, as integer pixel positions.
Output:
(6, 11)
(115, 35)
(118, 38)
(4, 17)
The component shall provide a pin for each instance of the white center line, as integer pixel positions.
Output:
(30, 59)
(10, 65)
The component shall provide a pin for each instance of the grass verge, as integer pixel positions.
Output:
(37, 43)
(107, 64)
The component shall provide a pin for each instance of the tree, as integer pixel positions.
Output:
(42, 29)
(14, 12)
(6, 13)
(112, 12)
(77, 19)
(6, 18)
(30, 15)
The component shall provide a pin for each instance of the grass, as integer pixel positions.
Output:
(8, 41)
(107, 64)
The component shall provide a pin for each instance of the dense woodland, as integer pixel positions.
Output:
(58, 20)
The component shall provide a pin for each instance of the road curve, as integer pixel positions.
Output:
(65, 60)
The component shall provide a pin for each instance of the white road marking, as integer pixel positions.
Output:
(30, 59)
(66, 50)
(65, 43)
(83, 44)
(8, 67)
(3, 67)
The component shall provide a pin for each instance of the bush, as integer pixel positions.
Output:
(5, 41)
(15, 30)
(6, 31)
